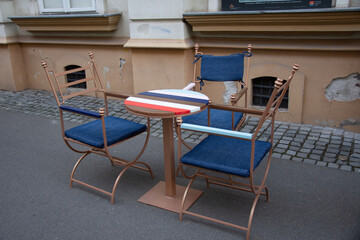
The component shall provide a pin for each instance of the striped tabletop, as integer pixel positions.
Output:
(166, 103)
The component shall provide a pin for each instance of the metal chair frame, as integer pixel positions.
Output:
(53, 76)
(234, 99)
(274, 102)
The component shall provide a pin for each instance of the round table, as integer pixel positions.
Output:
(167, 104)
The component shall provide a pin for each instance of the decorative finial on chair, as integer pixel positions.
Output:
(296, 67)
(278, 83)
(249, 47)
(102, 111)
(44, 64)
(179, 121)
(91, 55)
(196, 46)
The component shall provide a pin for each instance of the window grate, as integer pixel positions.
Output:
(75, 76)
(262, 88)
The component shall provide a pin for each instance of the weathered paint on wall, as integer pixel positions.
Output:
(114, 77)
(344, 89)
(230, 89)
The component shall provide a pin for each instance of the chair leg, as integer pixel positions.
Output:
(116, 183)
(117, 161)
(266, 194)
(127, 165)
(242, 120)
(134, 162)
(231, 179)
(111, 162)
(207, 183)
(185, 144)
(185, 195)
(122, 173)
(111, 194)
(252, 215)
(147, 168)
(75, 167)
(178, 171)
(247, 229)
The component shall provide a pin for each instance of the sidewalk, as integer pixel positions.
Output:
(306, 201)
(323, 146)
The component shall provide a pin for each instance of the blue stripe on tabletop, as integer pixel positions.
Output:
(188, 99)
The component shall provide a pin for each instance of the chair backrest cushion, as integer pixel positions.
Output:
(222, 68)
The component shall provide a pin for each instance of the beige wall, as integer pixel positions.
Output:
(321, 68)
(12, 68)
(145, 69)
(108, 59)
(7, 80)
(161, 68)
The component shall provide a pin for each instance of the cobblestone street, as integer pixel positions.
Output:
(324, 146)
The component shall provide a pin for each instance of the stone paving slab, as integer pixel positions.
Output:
(323, 146)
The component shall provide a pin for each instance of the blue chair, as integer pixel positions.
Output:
(104, 131)
(234, 68)
(232, 154)
(230, 68)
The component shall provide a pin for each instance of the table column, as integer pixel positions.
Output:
(169, 161)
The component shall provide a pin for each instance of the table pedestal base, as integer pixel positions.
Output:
(156, 197)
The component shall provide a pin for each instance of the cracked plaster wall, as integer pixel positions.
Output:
(344, 89)
(230, 89)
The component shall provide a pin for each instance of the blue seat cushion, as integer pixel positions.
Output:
(218, 118)
(117, 129)
(227, 155)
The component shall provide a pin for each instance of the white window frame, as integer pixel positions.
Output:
(66, 7)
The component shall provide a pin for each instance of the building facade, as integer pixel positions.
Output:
(141, 45)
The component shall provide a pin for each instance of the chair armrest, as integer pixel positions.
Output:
(189, 87)
(235, 98)
(80, 111)
(117, 95)
(236, 109)
(217, 131)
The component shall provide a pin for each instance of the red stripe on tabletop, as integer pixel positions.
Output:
(177, 111)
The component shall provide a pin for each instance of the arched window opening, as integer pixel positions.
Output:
(262, 88)
(75, 76)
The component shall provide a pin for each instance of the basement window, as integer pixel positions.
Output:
(262, 88)
(75, 76)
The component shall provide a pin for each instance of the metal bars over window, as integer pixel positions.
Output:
(262, 88)
(75, 76)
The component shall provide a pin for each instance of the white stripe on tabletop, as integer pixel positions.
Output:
(181, 93)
